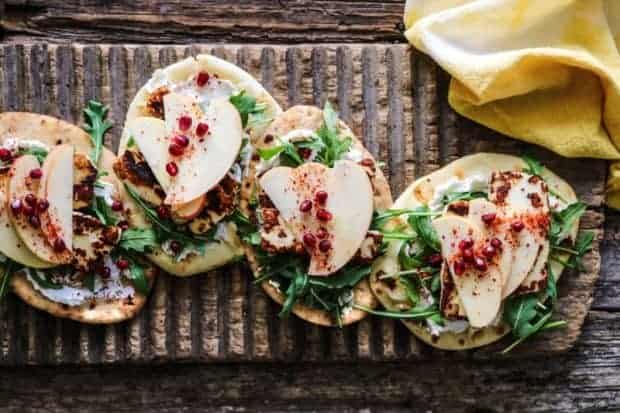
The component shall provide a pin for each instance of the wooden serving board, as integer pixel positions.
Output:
(391, 96)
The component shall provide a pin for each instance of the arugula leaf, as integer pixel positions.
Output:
(5, 281)
(421, 224)
(38, 153)
(43, 281)
(138, 239)
(103, 211)
(131, 142)
(334, 146)
(462, 196)
(379, 218)
(420, 314)
(89, 281)
(348, 277)
(520, 313)
(534, 167)
(562, 222)
(285, 150)
(96, 125)
(138, 278)
(246, 105)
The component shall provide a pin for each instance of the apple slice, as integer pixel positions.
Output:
(479, 291)
(524, 200)
(152, 138)
(20, 185)
(10, 243)
(57, 220)
(207, 160)
(349, 204)
(449, 302)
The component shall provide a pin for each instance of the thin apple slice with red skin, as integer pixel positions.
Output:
(57, 219)
(480, 292)
(152, 138)
(189, 210)
(349, 201)
(21, 184)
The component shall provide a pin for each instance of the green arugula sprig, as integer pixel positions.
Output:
(141, 240)
(462, 196)
(39, 153)
(5, 281)
(249, 109)
(96, 125)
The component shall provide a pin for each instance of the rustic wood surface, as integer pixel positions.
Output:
(585, 379)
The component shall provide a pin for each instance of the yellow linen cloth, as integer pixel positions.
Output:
(543, 71)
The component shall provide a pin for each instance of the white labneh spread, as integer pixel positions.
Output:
(112, 289)
(14, 144)
(473, 183)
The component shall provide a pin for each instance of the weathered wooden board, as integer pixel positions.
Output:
(390, 96)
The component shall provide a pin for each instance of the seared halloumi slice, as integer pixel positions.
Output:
(449, 303)
(91, 240)
(84, 177)
(132, 168)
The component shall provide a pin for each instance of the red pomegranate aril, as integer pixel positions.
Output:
(496, 242)
(309, 240)
(304, 152)
(488, 218)
(27, 210)
(175, 149)
(172, 169)
(480, 264)
(122, 264)
(16, 206)
(435, 259)
(124, 225)
(34, 221)
(321, 197)
(367, 162)
(181, 140)
(175, 246)
(36, 173)
(517, 226)
(324, 215)
(459, 267)
(322, 233)
(59, 245)
(202, 79)
(325, 245)
(5, 154)
(489, 251)
(117, 206)
(468, 255)
(185, 122)
(305, 206)
(202, 129)
(42, 205)
(30, 199)
(163, 212)
(466, 243)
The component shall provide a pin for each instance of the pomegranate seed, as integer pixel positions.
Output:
(175, 149)
(59, 245)
(496, 242)
(117, 206)
(185, 122)
(85, 192)
(42, 205)
(34, 221)
(489, 251)
(324, 215)
(435, 259)
(172, 168)
(105, 273)
(175, 246)
(466, 243)
(36, 173)
(202, 79)
(304, 152)
(320, 197)
(322, 233)
(459, 267)
(309, 240)
(468, 255)
(202, 129)
(480, 264)
(16, 206)
(30, 199)
(368, 162)
(163, 212)
(124, 225)
(325, 245)
(122, 264)
(488, 218)
(181, 140)
(305, 206)
(517, 226)
(27, 210)
(5, 154)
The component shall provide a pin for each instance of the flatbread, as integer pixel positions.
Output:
(217, 253)
(52, 132)
(310, 117)
(421, 193)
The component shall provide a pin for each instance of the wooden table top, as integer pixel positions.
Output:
(585, 379)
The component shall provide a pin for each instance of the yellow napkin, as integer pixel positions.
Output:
(543, 71)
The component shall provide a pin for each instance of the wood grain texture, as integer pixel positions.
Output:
(390, 96)
(178, 21)
(584, 380)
